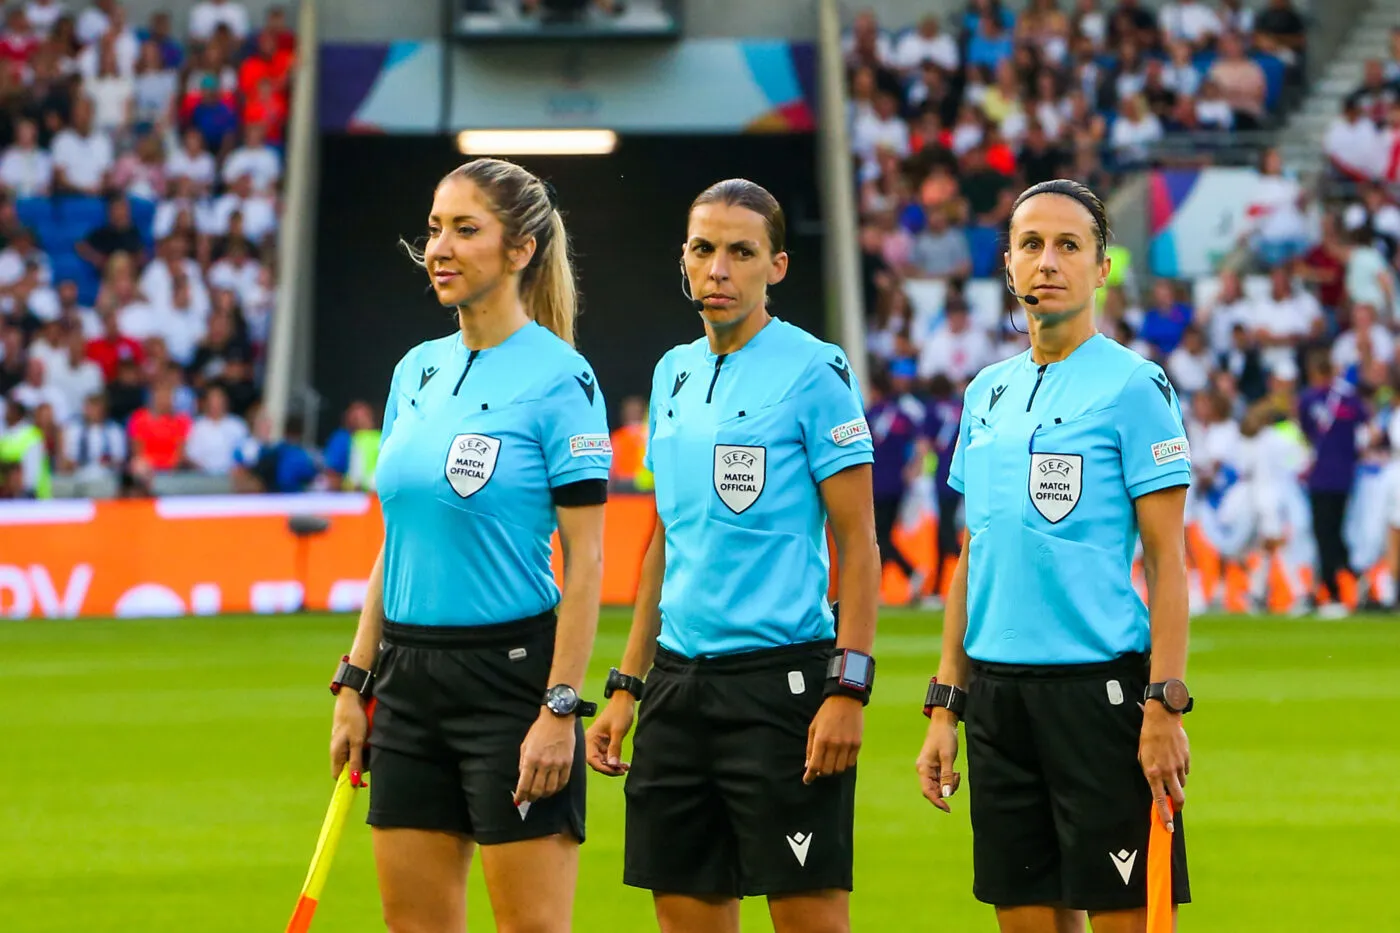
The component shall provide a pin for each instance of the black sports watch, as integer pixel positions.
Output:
(850, 673)
(624, 682)
(944, 696)
(562, 700)
(356, 678)
(1172, 694)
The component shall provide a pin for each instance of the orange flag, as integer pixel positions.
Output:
(1159, 876)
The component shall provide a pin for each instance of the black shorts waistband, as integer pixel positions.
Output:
(1134, 662)
(410, 635)
(741, 661)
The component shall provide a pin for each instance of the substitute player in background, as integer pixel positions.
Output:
(743, 774)
(492, 436)
(1071, 688)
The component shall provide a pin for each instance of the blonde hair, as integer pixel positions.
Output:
(525, 207)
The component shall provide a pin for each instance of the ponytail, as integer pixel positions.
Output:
(550, 295)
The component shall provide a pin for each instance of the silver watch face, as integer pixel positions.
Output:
(561, 699)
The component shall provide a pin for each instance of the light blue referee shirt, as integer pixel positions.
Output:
(473, 442)
(1050, 459)
(738, 445)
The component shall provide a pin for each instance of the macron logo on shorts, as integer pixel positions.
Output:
(800, 843)
(850, 432)
(1166, 451)
(1123, 860)
(589, 445)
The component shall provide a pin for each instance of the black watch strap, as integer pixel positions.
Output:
(1172, 694)
(356, 678)
(945, 696)
(624, 682)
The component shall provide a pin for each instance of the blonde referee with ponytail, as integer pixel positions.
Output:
(493, 436)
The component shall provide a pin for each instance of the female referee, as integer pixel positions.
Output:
(1070, 687)
(743, 774)
(491, 437)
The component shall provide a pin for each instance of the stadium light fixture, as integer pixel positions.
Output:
(537, 142)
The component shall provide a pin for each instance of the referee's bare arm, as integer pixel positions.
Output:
(938, 759)
(835, 735)
(1163, 750)
(350, 726)
(604, 738)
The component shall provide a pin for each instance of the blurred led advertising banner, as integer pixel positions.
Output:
(695, 86)
(1196, 218)
(199, 555)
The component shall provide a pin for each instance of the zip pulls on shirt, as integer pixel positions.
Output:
(719, 361)
(1039, 375)
(471, 358)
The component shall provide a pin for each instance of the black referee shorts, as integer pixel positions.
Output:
(1060, 809)
(454, 704)
(715, 799)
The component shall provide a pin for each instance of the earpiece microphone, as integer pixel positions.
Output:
(1028, 299)
(697, 304)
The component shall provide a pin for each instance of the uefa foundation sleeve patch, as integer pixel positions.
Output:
(850, 432)
(1169, 450)
(588, 445)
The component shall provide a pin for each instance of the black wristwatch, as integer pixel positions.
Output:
(850, 673)
(562, 700)
(624, 682)
(1172, 694)
(945, 696)
(356, 678)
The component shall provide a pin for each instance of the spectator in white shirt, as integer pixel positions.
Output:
(207, 16)
(42, 14)
(255, 158)
(881, 127)
(194, 162)
(955, 349)
(1353, 144)
(73, 375)
(1366, 337)
(1190, 364)
(120, 40)
(1213, 111)
(35, 391)
(18, 256)
(1180, 74)
(1284, 320)
(95, 446)
(1369, 278)
(216, 435)
(94, 22)
(1229, 307)
(259, 213)
(112, 95)
(1133, 133)
(1191, 21)
(866, 44)
(153, 102)
(26, 169)
(172, 262)
(82, 156)
(1277, 230)
(179, 324)
(238, 272)
(940, 251)
(927, 43)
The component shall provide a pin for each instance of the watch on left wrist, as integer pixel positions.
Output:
(563, 700)
(357, 679)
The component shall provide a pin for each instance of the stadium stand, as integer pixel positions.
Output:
(139, 181)
(950, 119)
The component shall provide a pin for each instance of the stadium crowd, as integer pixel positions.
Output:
(949, 121)
(139, 214)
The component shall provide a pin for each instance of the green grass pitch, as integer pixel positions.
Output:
(171, 776)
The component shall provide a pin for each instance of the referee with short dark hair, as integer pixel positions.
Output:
(1071, 688)
(743, 775)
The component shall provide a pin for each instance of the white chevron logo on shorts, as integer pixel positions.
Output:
(524, 808)
(1123, 860)
(800, 843)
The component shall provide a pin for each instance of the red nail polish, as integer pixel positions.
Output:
(355, 779)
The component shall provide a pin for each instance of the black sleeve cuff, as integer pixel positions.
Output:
(583, 492)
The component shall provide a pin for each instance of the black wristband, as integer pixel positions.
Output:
(624, 682)
(945, 696)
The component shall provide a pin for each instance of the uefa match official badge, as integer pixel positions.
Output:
(1056, 481)
(471, 461)
(740, 472)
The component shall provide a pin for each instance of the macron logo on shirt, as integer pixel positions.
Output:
(850, 432)
(589, 445)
